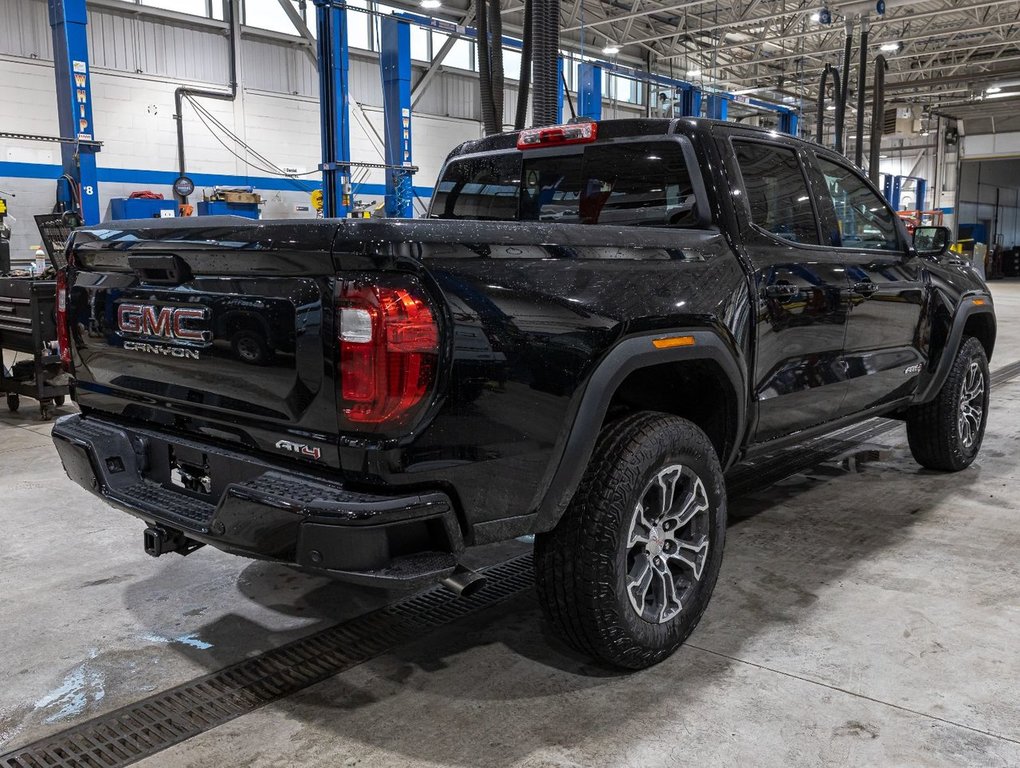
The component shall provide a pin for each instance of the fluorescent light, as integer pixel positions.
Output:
(610, 49)
(694, 73)
(816, 17)
(994, 89)
(831, 107)
(890, 47)
(431, 4)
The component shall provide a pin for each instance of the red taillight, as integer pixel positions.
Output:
(63, 333)
(389, 345)
(557, 135)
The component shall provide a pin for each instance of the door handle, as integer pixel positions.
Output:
(782, 291)
(867, 289)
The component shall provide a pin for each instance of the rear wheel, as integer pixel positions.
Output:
(946, 433)
(628, 572)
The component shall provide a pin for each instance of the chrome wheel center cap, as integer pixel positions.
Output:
(656, 541)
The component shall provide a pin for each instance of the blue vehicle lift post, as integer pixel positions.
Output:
(589, 90)
(334, 108)
(395, 61)
(690, 101)
(892, 188)
(68, 21)
(716, 106)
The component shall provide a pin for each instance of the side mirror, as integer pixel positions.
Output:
(932, 241)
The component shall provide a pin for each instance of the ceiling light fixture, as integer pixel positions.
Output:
(431, 4)
(994, 89)
(890, 47)
(611, 49)
(694, 73)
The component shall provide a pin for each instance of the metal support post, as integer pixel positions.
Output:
(788, 123)
(68, 19)
(690, 101)
(716, 106)
(395, 61)
(331, 22)
(561, 85)
(922, 192)
(589, 90)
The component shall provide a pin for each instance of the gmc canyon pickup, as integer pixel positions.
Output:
(592, 324)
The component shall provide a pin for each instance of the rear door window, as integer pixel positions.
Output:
(627, 184)
(777, 192)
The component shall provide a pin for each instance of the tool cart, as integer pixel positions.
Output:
(28, 327)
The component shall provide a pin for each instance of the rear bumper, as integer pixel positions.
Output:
(265, 511)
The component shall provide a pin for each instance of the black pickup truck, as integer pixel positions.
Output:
(593, 323)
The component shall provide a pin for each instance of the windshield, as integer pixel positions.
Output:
(628, 184)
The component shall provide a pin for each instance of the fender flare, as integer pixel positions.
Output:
(967, 309)
(588, 410)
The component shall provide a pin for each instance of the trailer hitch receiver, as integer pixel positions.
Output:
(161, 541)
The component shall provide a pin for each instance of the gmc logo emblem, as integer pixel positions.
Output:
(162, 322)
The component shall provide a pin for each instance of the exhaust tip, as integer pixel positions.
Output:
(464, 582)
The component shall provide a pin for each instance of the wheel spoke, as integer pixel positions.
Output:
(638, 582)
(667, 485)
(693, 554)
(671, 605)
(639, 528)
(696, 501)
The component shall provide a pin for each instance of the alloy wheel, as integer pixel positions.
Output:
(972, 392)
(667, 544)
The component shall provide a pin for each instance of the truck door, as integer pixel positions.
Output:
(801, 287)
(883, 351)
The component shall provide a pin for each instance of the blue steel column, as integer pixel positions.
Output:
(559, 90)
(589, 90)
(716, 106)
(395, 60)
(788, 123)
(922, 192)
(690, 101)
(331, 22)
(74, 101)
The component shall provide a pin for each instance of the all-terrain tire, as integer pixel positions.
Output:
(583, 565)
(937, 438)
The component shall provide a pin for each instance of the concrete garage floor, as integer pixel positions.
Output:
(868, 613)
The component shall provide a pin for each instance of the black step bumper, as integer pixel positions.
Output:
(265, 511)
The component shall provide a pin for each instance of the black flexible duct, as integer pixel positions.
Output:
(488, 104)
(862, 78)
(820, 117)
(496, 61)
(877, 117)
(525, 79)
(845, 87)
(230, 95)
(545, 30)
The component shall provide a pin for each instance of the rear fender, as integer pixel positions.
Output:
(588, 412)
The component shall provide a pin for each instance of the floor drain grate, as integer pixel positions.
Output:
(149, 726)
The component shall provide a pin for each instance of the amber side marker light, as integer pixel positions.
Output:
(673, 341)
(978, 302)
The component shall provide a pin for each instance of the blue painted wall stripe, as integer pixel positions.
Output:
(46, 171)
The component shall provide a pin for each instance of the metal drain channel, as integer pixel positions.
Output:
(152, 725)
(139, 730)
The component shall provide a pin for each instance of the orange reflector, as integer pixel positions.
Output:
(673, 341)
(979, 302)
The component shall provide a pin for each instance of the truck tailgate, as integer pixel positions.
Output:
(221, 328)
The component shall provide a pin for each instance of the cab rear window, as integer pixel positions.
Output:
(627, 184)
